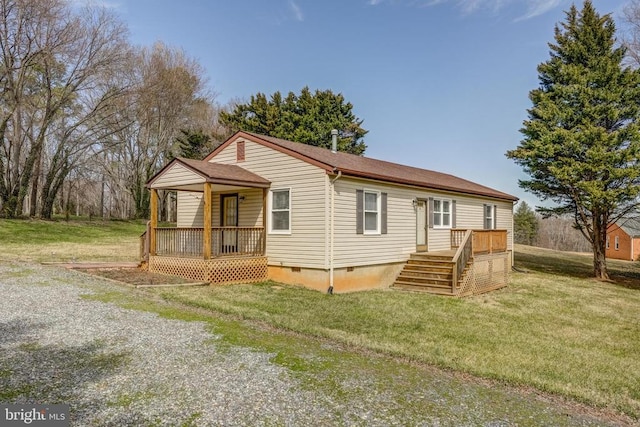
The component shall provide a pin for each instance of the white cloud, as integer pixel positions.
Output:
(533, 8)
(297, 12)
(539, 7)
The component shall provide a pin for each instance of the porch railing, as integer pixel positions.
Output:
(462, 256)
(225, 241)
(484, 241)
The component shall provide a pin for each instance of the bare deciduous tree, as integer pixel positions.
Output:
(168, 95)
(56, 63)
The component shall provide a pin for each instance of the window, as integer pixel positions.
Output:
(488, 217)
(280, 220)
(617, 243)
(371, 212)
(441, 213)
(607, 242)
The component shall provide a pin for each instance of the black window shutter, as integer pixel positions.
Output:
(495, 217)
(359, 211)
(453, 214)
(430, 212)
(383, 208)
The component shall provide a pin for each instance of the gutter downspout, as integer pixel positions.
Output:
(331, 230)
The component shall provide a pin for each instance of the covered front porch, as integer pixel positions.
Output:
(219, 236)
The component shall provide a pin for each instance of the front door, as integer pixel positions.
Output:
(421, 226)
(229, 218)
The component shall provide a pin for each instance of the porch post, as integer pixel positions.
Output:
(154, 221)
(206, 241)
(264, 221)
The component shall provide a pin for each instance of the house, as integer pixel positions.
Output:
(623, 240)
(260, 207)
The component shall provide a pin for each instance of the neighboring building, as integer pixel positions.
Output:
(305, 215)
(623, 240)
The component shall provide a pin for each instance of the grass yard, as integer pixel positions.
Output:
(553, 328)
(64, 241)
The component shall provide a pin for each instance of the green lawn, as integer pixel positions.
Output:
(553, 328)
(79, 240)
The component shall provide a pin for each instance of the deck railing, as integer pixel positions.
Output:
(484, 241)
(462, 256)
(225, 241)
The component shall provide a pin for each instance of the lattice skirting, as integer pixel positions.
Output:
(489, 272)
(216, 271)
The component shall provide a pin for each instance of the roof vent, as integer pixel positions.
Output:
(334, 140)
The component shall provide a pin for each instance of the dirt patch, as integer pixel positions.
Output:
(137, 276)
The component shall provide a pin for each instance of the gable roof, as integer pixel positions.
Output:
(216, 173)
(631, 226)
(364, 167)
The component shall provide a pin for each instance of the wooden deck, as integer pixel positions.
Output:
(477, 262)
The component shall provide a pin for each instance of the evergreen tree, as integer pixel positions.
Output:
(193, 144)
(525, 224)
(307, 118)
(582, 141)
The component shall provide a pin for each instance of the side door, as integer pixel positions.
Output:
(421, 226)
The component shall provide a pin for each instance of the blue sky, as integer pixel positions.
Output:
(440, 84)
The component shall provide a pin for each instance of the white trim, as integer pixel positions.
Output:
(270, 211)
(378, 212)
(442, 226)
(489, 221)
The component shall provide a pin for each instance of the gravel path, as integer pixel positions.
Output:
(123, 367)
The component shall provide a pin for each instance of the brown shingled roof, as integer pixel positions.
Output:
(364, 167)
(218, 173)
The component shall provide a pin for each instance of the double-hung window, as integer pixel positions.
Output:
(371, 212)
(489, 222)
(441, 213)
(280, 215)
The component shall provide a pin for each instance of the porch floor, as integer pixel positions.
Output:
(450, 253)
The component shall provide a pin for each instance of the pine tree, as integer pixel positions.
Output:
(525, 224)
(582, 140)
(307, 118)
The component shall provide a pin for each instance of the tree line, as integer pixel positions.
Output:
(86, 118)
(558, 233)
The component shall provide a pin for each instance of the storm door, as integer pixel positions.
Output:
(421, 226)
(229, 222)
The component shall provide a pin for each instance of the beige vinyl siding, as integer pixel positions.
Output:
(190, 209)
(505, 220)
(249, 209)
(306, 245)
(353, 249)
(178, 175)
(470, 214)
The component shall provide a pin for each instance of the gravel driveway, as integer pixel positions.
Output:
(119, 367)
